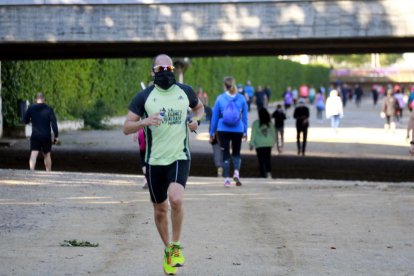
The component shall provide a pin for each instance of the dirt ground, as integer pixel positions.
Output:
(288, 225)
(266, 227)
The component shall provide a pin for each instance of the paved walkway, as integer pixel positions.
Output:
(361, 150)
(266, 227)
(361, 134)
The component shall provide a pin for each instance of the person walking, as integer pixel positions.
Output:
(230, 121)
(260, 98)
(410, 101)
(295, 94)
(358, 92)
(279, 116)
(288, 98)
(312, 94)
(217, 154)
(374, 91)
(161, 109)
(399, 103)
(320, 106)
(249, 90)
(263, 139)
(410, 128)
(388, 111)
(268, 93)
(43, 120)
(301, 114)
(334, 109)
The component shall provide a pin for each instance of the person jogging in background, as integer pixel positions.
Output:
(43, 120)
(161, 109)
(230, 121)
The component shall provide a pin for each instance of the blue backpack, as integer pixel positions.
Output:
(231, 113)
(288, 98)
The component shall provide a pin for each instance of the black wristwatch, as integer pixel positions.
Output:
(196, 118)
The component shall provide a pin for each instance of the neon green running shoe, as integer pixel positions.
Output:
(177, 257)
(168, 269)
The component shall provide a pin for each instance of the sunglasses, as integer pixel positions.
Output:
(160, 68)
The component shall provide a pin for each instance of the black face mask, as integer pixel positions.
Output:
(164, 79)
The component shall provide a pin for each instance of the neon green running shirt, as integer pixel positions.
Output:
(169, 141)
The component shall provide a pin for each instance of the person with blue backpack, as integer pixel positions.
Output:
(230, 121)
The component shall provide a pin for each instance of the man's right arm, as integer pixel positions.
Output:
(132, 123)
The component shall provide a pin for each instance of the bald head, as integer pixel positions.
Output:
(162, 60)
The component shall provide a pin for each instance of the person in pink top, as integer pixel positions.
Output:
(140, 137)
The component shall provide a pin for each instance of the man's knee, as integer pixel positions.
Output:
(176, 202)
(175, 196)
(160, 210)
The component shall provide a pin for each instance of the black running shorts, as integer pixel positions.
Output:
(44, 145)
(160, 177)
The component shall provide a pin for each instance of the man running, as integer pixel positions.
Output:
(161, 109)
(43, 119)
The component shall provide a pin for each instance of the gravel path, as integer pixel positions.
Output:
(266, 227)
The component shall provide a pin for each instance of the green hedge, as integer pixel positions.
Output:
(209, 73)
(73, 86)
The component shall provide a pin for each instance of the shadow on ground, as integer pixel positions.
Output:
(284, 166)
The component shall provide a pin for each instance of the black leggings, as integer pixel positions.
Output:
(225, 138)
(264, 157)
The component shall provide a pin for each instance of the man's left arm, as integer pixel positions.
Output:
(53, 121)
(198, 112)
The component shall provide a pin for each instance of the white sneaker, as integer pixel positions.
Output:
(227, 182)
(236, 178)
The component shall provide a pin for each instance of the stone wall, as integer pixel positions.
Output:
(256, 20)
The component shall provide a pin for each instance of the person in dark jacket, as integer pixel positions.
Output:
(43, 120)
(279, 116)
(301, 114)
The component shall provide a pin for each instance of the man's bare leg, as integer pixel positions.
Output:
(161, 221)
(48, 161)
(32, 160)
(175, 195)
